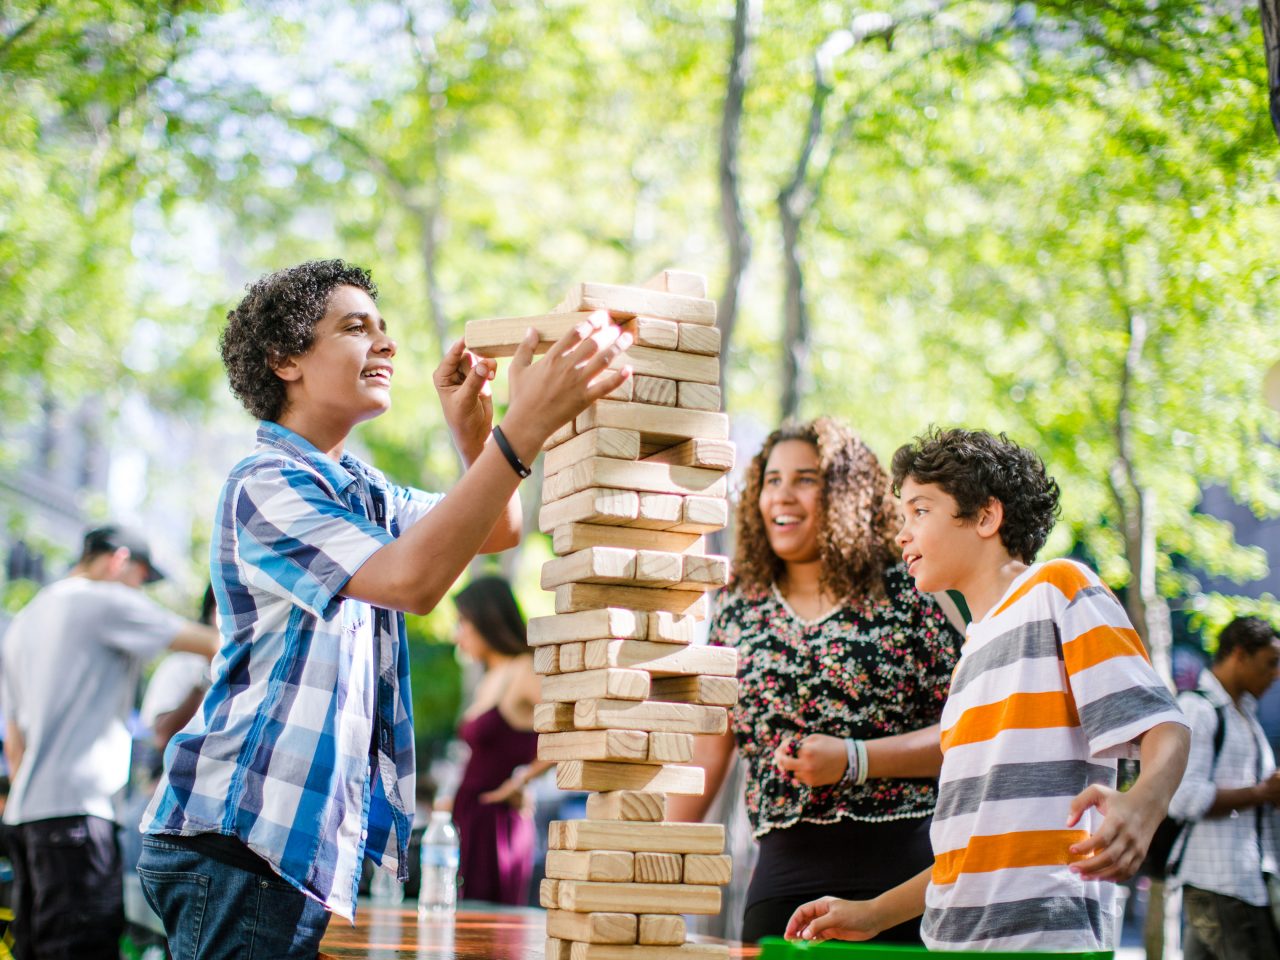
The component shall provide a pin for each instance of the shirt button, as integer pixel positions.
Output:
(364, 834)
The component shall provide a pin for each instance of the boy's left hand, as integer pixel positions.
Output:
(1121, 841)
(462, 381)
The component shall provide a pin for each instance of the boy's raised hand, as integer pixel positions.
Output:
(462, 381)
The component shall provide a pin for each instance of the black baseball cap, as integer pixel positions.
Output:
(112, 536)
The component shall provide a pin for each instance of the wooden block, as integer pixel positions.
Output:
(695, 396)
(626, 805)
(573, 656)
(608, 622)
(672, 364)
(701, 515)
(610, 683)
(658, 867)
(658, 567)
(548, 894)
(656, 390)
(698, 338)
(578, 536)
(661, 928)
(546, 660)
(654, 422)
(563, 433)
(659, 659)
(577, 597)
(650, 716)
(627, 302)
(710, 569)
(602, 442)
(698, 452)
(713, 868)
(592, 565)
(659, 511)
(678, 281)
(656, 333)
(626, 392)
(592, 927)
(606, 775)
(605, 866)
(660, 837)
(585, 896)
(554, 949)
(641, 476)
(630, 745)
(668, 628)
(685, 951)
(715, 691)
(667, 747)
(499, 336)
(552, 717)
(591, 506)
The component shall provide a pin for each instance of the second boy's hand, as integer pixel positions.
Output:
(462, 382)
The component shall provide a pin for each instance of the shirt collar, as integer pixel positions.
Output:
(1219, 697)
(339, 474)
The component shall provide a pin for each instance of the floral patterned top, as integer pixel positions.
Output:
(868, 669)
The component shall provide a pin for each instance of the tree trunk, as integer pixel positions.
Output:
(1271, 44)
(731, 214)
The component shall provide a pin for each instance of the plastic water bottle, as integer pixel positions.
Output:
(439, 891)
(385, 888)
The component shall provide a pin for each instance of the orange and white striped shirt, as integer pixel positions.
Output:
(1052, 688)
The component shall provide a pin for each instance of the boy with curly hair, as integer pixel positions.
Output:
(300, 760)
(1053, 686)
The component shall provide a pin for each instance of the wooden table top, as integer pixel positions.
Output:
(476, 932)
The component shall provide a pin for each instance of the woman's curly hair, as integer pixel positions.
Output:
(857, 522)
(972, 466)
(277, 320)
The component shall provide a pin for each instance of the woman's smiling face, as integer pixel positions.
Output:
(791, 494)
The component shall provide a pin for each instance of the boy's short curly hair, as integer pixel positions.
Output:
(277, 320)
(973, 466)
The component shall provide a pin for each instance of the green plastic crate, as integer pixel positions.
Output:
(772, 948)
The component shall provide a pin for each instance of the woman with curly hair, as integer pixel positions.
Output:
(843, 670)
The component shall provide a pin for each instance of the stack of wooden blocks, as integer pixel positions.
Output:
(631, 488)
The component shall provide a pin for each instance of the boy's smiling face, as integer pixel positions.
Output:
(938, 547)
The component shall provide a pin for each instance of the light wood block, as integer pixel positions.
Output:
(656, 390)
(626, 302)
(659, 511)
(563, 433)
(660, 837)
(546, 660)
(584, 896)
(627, 745)
(590, 506)
(694, 396)
(678, 281)
(578, 536)
(611, 683)
(654, 422)
(698, 452)
(648, 362)
(709, 569)
(668, 628)
(548, 893)
(641, 476)
(658, 567)
(577, 597)
(698, 338)
(604, 866)
(627, 805)
(661, 928)
(626, 392)
(659, 659)
(685, 951)
(593, 565)
(556, 949)
(658, 867)
(608, 622)
(500, 336)
(605, 775)
(713, 868)
(552, 717)
(602, 442)
(573, 656)
(656, 333)
(714, 691)
(702, 515)
(668, 747)
(650, 716)
(592, 927)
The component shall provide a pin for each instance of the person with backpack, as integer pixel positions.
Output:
(1225, 856)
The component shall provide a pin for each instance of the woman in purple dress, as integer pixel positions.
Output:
(494, 829)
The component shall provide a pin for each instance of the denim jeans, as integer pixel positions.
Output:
(212, 910)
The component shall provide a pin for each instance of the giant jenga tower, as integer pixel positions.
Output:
(630, 489)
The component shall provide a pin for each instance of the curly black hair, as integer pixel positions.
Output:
(277, 320)
(973, 466)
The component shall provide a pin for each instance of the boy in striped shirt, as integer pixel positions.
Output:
(1052, 688)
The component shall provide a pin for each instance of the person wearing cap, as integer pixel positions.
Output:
(69, 667)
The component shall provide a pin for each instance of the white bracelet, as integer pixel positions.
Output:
(851, 753)
(861, 747)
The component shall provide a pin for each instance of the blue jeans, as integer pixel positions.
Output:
(212, 910)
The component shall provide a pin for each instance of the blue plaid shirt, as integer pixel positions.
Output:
(303, 747)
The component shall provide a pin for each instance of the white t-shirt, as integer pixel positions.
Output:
(176, 676)
(70, 663)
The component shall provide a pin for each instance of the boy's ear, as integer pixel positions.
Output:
(286, 368)
(990, 518)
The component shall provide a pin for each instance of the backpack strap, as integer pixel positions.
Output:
(1219, 736)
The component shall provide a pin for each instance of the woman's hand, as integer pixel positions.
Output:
(462, 382)
(511, 792)
(816, 760)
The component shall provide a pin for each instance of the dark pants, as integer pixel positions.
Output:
(68, 891)
(1224, 928)
(214, 911)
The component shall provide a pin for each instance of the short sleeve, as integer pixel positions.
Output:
(723, 631)
(410, 505)
(176, 676)
(294, 541)
(132, 622)
(1195, 794)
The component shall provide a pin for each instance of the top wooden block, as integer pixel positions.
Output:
(627, 302)
(499, 336)
(678, 281)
